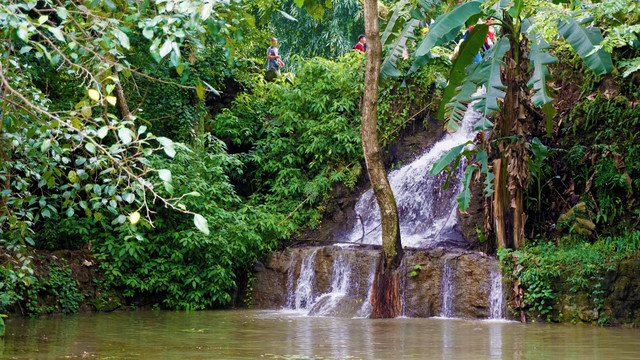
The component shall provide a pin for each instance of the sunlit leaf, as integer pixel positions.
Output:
(122, 37)
(201, 223)
(94, 94)
(166, 48)
(200, 90)
(103, 131)
(125, 135)
(447, 158)
(134, 217)
(287, 16)
(165, 175)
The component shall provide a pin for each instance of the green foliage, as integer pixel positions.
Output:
(445, 28)
(399, 29)
(186, 268)
(62, 232)
(584, 41)
(541, 268)
(474, 40)
(64, 288)
(538, 169)
(2, 325)
(330, 35)
(539, 59)
(56, 287)
(603, 158)
(416, 269)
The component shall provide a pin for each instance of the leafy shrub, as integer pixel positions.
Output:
(174, 261)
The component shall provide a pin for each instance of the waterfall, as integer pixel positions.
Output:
(447, 287)
(366, 308)
(496, 296)
(340, 280)
(344, 291)
(301, 297)
(428, 214)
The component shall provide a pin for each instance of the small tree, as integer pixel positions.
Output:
(386, 293)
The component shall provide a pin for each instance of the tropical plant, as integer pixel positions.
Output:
(514, 75)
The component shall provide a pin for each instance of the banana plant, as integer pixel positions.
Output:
(514, 74)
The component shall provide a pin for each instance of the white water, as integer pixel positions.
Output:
(428, 217)
(496, 296)
(302, 296)
(349, 289)
(366, 308)
(447, 288)
(428, 214)
(340, 280)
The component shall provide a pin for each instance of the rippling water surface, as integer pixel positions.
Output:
(247, 334)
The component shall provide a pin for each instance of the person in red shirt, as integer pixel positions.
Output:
(491, 36)
(360, 45)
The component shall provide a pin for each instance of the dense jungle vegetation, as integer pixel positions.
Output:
(146, 136)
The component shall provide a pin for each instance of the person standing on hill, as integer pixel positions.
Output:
(360, 45)
(273, 59)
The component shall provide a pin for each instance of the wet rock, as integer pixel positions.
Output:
(471, 283)
(422, 284)
(270, 282)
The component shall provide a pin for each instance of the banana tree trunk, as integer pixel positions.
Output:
(511, 167)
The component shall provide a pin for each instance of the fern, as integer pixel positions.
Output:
(630, 66)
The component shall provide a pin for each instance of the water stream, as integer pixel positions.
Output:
(428, 219)
(427, 213)
(302, 296)
(448, 288)
(496, 296)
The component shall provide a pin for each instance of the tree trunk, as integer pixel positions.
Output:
(511, 168)
(385, 296)
(391, 245)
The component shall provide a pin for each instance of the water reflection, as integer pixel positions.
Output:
(264, 334)
(495, 340)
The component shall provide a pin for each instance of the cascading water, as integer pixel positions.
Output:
(427, 213)
(340, 280)
(344, 293)
(447, 286)
(428, 217)
(302, 297)
(496, 296)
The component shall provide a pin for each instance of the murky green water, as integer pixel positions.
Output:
(267, 335)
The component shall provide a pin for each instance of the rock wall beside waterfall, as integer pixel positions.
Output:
(471, 283)
(278, 281)
(618, 301)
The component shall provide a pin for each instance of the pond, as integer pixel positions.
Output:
(249, 334)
